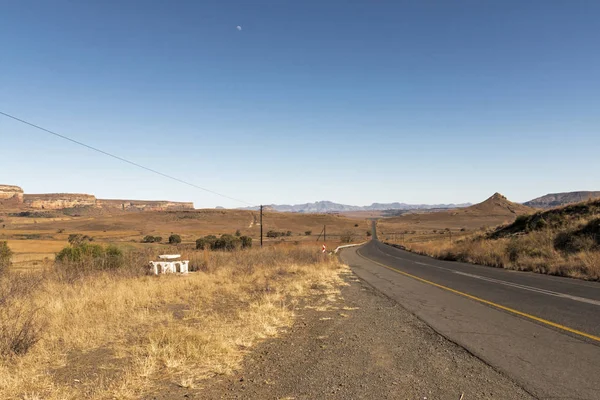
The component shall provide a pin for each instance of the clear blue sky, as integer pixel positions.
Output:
(349, 101)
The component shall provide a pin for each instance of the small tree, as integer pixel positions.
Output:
(308, 233)
(288, 233)
(368, 233)
(174, 239)
(238, 233)
(5, 256)
(148, 239)
(157, 239)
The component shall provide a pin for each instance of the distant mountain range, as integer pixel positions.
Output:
(331, 207)
(561, 199)
(547, 201)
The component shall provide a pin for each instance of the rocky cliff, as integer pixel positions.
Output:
(142, 205)
(10, 192)
(561, 199)
(13, 195)
(57, 201)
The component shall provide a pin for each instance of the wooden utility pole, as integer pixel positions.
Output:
(324, 233)
(261, 229)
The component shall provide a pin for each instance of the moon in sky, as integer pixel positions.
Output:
(239, 28)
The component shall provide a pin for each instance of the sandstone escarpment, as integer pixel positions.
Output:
(12, 193)
(57, 201)
(143, 205)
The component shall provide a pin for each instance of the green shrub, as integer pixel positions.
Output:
(151, 239)
(227, 242)
(77, 238)
(308, 233)
(246, 241)
(238, 233)
(148, 239)
(74, 260)
(174, 239)
(207, 242)
(5, 256)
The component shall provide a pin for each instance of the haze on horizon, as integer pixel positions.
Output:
(354, 103)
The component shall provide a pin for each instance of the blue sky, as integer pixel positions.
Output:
(349, 101)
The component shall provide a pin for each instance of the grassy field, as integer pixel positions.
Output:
(563, 241)
(122, 334)
(36, 240)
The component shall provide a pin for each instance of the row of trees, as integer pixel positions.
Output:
(275, 234)
(173, 239)
(225, 242)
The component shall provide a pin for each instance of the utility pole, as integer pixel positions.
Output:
(261, 230)
(450, 236)
(324, 233)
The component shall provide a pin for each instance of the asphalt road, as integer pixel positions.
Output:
(541, 331)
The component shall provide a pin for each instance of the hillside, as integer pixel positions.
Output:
(580, 218)
(562, 241)
(560, 199)
(494, 211)
(498, 205)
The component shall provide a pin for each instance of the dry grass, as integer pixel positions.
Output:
(532, 250)
(34, 240)
(118, 336)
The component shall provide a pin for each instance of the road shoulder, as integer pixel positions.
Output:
(364, 345)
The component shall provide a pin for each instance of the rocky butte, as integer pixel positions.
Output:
(10, 192)
(57, 201)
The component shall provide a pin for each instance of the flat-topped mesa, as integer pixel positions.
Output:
(57, 201)
(144, 205)
(11, 192)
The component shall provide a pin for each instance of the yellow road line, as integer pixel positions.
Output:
(490, 303)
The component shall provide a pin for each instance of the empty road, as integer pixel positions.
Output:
(541, 331)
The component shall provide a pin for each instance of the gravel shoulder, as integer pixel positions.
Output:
(361, 346)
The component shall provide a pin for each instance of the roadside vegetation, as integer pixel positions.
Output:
(95, 325)
(563, 241)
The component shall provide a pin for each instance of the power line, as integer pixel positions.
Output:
(122, 159)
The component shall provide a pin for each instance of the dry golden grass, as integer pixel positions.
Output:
(532, 252)
(34, 239)
(562, 241)
(118, 336)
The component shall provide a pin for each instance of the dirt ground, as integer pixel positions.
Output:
(363, 346)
